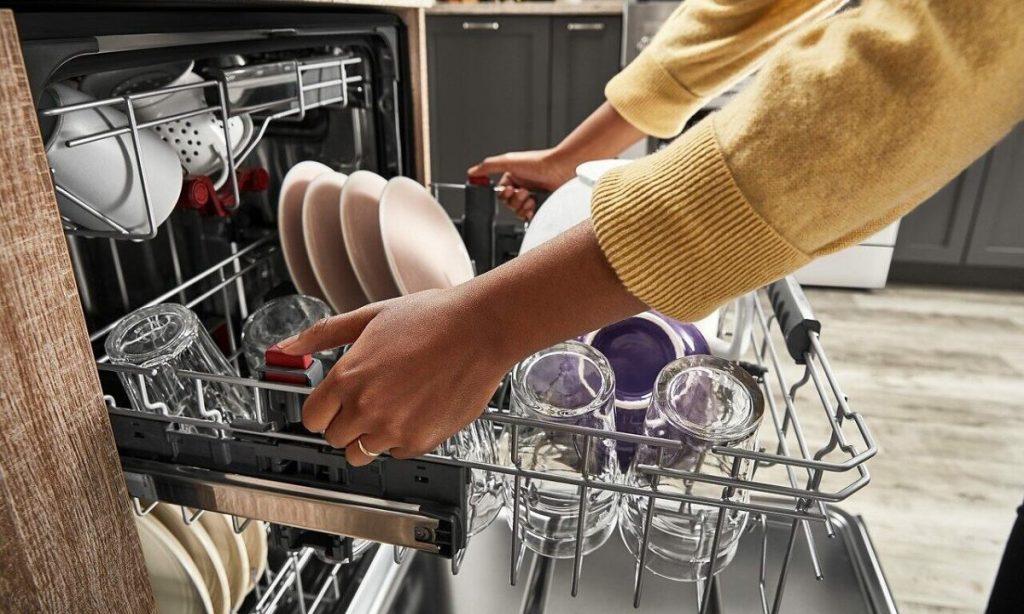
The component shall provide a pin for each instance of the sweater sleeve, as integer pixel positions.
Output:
(850, 124)
(704, 47)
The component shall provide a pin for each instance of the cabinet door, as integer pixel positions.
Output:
(585, 54)
(998, 235)
(488, 90)
(936, 231)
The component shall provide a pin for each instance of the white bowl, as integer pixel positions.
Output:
(104, 173)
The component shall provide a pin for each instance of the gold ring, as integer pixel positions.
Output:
(359, 442)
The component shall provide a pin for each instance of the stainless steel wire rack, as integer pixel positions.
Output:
(306, 85)
(814, 447)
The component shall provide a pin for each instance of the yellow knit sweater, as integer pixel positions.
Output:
(851, 122)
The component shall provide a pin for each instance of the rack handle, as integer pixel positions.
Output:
(481, 25)
(595, 26)
(796, 319)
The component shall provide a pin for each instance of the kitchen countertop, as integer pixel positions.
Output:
(558, 7)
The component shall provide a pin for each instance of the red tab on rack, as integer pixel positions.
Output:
(276, 358)
(480, 180)
(297, 378)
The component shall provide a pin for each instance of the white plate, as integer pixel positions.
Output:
(289, 225)
(231, 549)
(177, 585)
(255, 538)
(360, 226)
(325, 245)
(568, 205)
(422, 246)
(195, 540)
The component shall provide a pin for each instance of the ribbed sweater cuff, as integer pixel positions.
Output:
(680, 234)
(651, 99)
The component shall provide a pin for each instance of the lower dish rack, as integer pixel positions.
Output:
(813, 453)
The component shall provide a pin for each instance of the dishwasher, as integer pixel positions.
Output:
(392, 536)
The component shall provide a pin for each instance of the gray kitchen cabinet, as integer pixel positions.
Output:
(584, 56)
(508, 83)
(489, 80)
(997, 238)
(937, 230)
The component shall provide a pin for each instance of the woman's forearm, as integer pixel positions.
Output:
(604, 134)
(562, 289)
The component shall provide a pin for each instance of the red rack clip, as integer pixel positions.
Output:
(198, 192)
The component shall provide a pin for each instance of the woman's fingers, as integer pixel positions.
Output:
(324, 403)
(331, 332)
(374, 445)
(344, 429)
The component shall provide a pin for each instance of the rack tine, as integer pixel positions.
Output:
(641, 563)
(762, 584)
(300, 598)
(330, 581)
(517, 484)
(517, 547)
(239, 527)
(189, 519)
(122, 286)
(784, 571)
(638, 581)
(457, 559)
(581, 516)
(398, 554)
(137, 147)
(139, 510)
(222, 92)
(727, 492)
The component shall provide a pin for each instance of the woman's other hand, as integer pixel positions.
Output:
(523, 173)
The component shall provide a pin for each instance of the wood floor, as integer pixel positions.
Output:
(939, 374)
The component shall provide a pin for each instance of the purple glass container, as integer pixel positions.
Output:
(638, 348)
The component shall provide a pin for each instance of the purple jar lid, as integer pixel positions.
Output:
(639, 347)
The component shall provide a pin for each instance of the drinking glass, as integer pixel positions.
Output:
(168, 338)
(569, 384)
(276, 320)
(699, 401)
(476, 442)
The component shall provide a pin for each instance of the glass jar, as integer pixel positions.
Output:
(701, 402)
(276, 320)
(169, 338)
(569, 384)
(476, 442)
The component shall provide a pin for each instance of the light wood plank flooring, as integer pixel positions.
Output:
(939, 373)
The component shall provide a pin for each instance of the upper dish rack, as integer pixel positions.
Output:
(793, 479)
(301, 86)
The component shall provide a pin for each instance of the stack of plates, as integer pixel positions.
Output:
(353, 239)
(204, 567)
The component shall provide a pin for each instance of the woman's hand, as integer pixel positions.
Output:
(423, 366)
(420, 368)
(522, 173)
(604, 134)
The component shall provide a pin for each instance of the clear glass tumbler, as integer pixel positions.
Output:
(169, 338)
(476, 443)
(278, 319)
(700, 401)
(569, 384)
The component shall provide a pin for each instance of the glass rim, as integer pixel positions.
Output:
(602, 397)
(739, 432)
